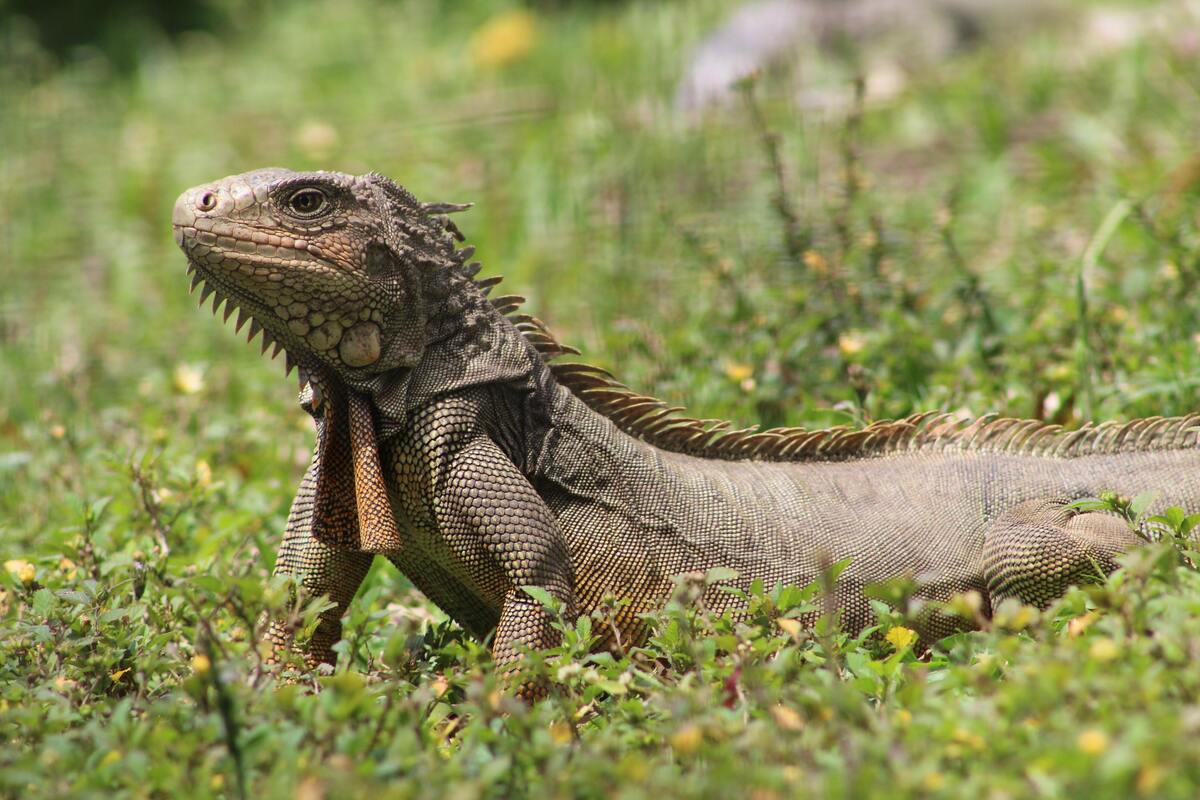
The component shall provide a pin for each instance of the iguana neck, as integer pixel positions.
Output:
(472, 344)
(469, 343)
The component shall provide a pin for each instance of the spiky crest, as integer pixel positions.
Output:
(667, 427)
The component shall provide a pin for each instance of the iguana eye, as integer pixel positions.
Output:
(307, 202)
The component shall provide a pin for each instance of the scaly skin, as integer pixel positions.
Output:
(447, 443)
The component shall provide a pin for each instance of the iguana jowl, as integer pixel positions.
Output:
(448, 443)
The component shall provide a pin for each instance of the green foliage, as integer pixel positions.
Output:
(142, 685)
(1017, 230)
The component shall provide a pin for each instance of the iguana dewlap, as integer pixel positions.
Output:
(449, 444)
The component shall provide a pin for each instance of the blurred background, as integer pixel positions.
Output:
(781, 211)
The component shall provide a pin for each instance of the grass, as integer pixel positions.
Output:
(1017, 230)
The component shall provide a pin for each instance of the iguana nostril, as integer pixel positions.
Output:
(207, 201)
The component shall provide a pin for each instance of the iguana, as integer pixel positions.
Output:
(451, 442)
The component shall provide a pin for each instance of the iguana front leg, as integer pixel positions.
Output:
(320, 570)
(508, 539)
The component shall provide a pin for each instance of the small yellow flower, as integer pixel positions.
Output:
(816, 262)
(789, 626)
(201, 665)
(1092, 741)
(560, 732)
(110, 758)
(970, 739)
(58, 431)
(851, 342)
(687, 739)
(1104, 650)
(1060, 373)
(787, 718)
(1148, 779)
(1079, 624)
(967, 604)
(507, 37)
(738, 372)
(203, 474)
(188, 379)
(1012, 615)
(22, 569)
(216, 782)
(900, 637)
(67, 567)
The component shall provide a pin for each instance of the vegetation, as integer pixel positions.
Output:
(1017, 229)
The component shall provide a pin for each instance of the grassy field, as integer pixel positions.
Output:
(1015, 228)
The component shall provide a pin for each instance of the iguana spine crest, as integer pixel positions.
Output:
(665, 426)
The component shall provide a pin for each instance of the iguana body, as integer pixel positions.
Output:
(448, 443)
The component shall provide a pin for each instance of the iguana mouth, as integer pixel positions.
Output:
(256, 246)
(198, 243)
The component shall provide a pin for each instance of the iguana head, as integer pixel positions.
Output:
(335, 268)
